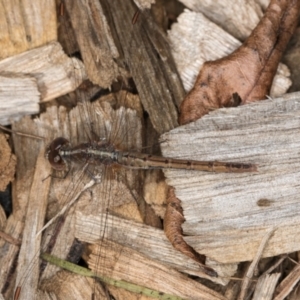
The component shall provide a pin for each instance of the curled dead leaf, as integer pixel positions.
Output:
(249, 70)
(172, 227)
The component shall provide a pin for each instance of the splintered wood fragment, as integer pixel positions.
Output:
(24, 26)
(288, 284)
(156, 276)
(265, 286)
(209, 42)
(157, 80)
(250, 272)
(147, 240)
(3, 218)
(19, 96)
(224, 216)
(238, 18)
(66, 285)
(54, 72)
(95, 41)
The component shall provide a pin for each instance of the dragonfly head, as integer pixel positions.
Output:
(52, 153)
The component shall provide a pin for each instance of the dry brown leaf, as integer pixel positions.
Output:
(249, 70)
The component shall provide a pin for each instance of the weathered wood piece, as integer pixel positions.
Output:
(35, 216)
(148, 241)
(157, 275)
(147, 55)
(195, 39)
(265, 286)
(227, 215)
(49, 72)
(24, 26)
(95, 42)
(19, 97)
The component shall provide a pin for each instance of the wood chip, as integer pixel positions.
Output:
(24, 27)
(47, 71)
(147, 240)
(237, 18)
(156, 277)
(221, 209)
(265, 286)
(19, 97)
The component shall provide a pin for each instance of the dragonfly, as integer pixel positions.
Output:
(105, 155)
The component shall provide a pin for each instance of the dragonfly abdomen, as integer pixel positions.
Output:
(147, 161)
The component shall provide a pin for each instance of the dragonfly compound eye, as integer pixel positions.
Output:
(53, 153)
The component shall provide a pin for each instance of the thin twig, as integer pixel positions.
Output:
(21, 133)
(72, 201)
(254, 263)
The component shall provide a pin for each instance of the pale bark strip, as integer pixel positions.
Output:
(28, 263)
(265, 286)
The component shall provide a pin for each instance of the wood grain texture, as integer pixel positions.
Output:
(148, 241)
(227, 215)
(25, 26)
(266, 286)
(147, 55)
(56, 73)
(37, 75)
(157, 275)
(19, 96)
